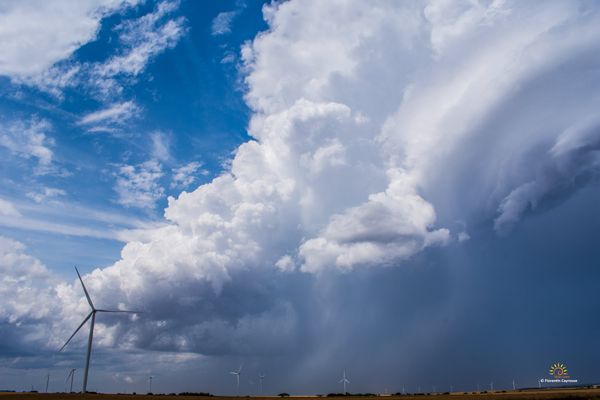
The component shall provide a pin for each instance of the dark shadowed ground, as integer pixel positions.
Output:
(528, 394)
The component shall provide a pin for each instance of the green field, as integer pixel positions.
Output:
(509, 395)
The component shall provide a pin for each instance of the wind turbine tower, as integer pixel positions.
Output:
(237, 376)
(344, 381)
(514, 386)
(261, 377)
(150, 384)
(71, 375)
(47, 382)
(91, 315)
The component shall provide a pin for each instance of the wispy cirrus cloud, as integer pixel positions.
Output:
(138, 185)
(68, 218)
(28, 139)
(161, 146)
(185, 175)
(141, 39)
(45, 193)
(115, 115)
(221, 24)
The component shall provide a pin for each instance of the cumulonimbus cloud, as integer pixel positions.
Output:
(372, 128)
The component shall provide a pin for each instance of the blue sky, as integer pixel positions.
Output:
(184, 107)
(404, 190)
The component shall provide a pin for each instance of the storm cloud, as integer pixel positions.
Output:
(419, 181)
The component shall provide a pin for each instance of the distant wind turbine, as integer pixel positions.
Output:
(261, 377)
(491, 386)
(92, 315)
(47, 382)
(71, 375)
(344, 381)
(514, 386)
(150, 384)
(237, 376)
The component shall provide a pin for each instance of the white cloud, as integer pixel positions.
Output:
(286, 263)
(142, 39)
(116, 113)
(28, 139)
(26, 286)
(45, 193)
(138, 185)
(53, 80)
(8, 209)
(35, 35)
(228, 58)
(37, 43)
(221, 24)
(185, 175)
(160, 146)
(392, 226)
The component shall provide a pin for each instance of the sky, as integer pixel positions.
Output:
(405, 190)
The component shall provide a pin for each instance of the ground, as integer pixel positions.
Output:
(509, 395)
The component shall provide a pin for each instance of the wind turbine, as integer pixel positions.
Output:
(71, 375)
(491, 386)
(514, 387)
(260, 379)
(237, 375)
(92, 315)
(150, 384)
(47, 382)
(344, 380)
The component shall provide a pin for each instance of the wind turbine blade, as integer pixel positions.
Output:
(85, 290)
(122, 311)
(76, 330)
(233, 373)
(241, 366)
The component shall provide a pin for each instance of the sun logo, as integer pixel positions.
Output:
(559, 370)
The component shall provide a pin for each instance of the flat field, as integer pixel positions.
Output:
(555, 394)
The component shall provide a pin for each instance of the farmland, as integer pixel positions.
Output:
(574, 394)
